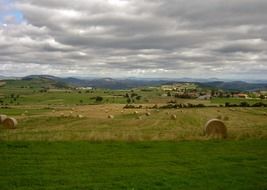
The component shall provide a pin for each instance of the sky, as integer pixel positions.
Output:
(134, 38)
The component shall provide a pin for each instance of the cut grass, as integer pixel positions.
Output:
(144, 165)
(44, 124)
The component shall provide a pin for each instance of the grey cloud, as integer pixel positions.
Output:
(249, 45)
(173, 38)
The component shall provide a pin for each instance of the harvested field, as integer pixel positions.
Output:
(96, 126)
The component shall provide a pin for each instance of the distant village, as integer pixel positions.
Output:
(190, 90)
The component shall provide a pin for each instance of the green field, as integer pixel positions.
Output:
(222, 101)
(147, 165)
(65, 140)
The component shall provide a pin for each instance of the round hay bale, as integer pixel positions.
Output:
(10, 123)
(135, 112)
(2, 118)
(80, 116)
(148, 113)
(111, 116)
(173, 117)
(215, 128)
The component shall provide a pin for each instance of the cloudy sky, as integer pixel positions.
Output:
(138, 38)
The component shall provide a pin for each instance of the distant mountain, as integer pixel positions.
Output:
(185, 79)
(128, 83)
(46, 77)
(235, 85)
(8, 77)
(257, 81)
(110, 83)
(75, 81)
(194, 80)
(47, 80)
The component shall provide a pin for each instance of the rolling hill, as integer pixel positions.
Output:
(128, 83)
(235, 85)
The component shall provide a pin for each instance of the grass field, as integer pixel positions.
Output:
(222, 101)
(52, 148)
(62, 123)
(147, 165)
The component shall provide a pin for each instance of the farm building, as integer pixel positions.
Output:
(241, 95)
(204, 97)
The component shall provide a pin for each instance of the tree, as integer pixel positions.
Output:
(262, 96)
(129, 100)
(138, 97)
(212, 93)
(99, 99)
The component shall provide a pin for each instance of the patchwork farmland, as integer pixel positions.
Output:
(141, 138)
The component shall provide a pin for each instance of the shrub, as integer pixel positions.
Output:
(99, 99)
(128, 106)
(259, 104)
(244, 104)
(138, 97)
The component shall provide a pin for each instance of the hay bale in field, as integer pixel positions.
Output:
(2, 118)
(80, 116)
(71, 114)
(135, 112)
(225, 118)
(148, 113)
(215, 128)
(173, 117)
(111, 116)
(10, 123)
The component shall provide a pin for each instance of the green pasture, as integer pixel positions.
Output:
(237, 165)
